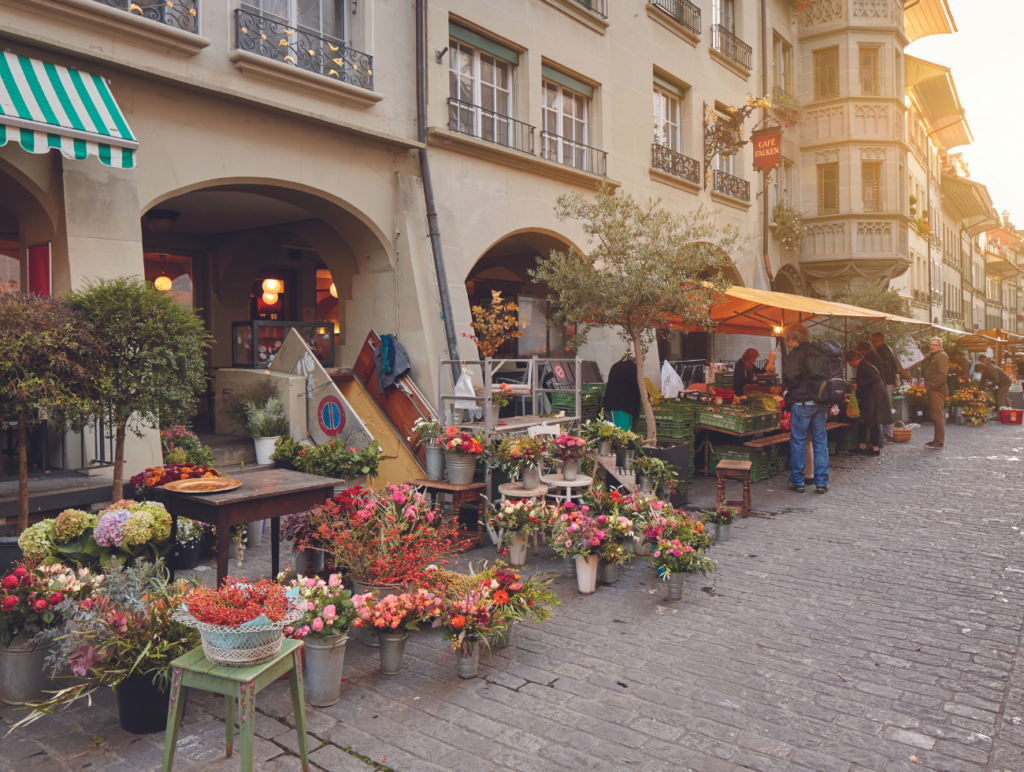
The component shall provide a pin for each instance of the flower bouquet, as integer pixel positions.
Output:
(679, 545)
(392, 617)
(145, 483)
(600, 433)
(569, 450)
(522, 457)
(516, 522)
(461, 450)
(123, 635)
(643, 511)
(582, 538)
(426, 432)
(30, 595)
(242, 622)
(467, 622)
(654, 475)
(627, 445)
(126, 531)
(502, 395)
(722, 518)
(180, 446)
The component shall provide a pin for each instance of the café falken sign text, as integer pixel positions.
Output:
(767, 144)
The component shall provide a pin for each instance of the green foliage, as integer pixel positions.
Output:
(647, 265)
(176, 457)
(236, 404)
(185, 447)
(286, 450)
(333, 459)
(789, 226)
(266, 421)
(877, 298)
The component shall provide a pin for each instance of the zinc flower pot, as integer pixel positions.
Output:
(530, 478)
(608, 573)
(469, 659)
(234, 546)
(141, 706)
(435, 462)
(325, 663)
(265, 449)
(568, 566)
(254, 534)
(569, 469)
(460, 467)
(493, 412)
(368, 635)
(604, 448)
(517, 550)
(723, 532)
(586, 573)
(23, 676)
(301, 561)
(628, 456)
(392, 651)
(643, 549)
(503, 639)
(644, 483)
(675, 586)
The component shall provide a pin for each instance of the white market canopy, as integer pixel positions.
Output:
(47, 107)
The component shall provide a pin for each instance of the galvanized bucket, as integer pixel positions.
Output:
(435, 462)
(392, 651)
(461, 467)
(325, 662)
(675, 586)
(530, 478)
(469, 659)
(23, 676)
(517, 550)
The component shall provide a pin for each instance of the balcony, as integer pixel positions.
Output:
(272, 38)
(683, 11)
(730, 186)
(731, 47)
(181, 14)
(676, 164)
(574, 154)
(479, 122)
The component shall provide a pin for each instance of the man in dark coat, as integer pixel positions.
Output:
(872, 401)
(892, 371)
(622, 394)
(999, 380)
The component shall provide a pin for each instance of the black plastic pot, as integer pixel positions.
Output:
(141, 706)
(187, 556)
(677, 456)
(10, 554)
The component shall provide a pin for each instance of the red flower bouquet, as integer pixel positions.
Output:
(238, 601)
(158, 476)
(454, 441)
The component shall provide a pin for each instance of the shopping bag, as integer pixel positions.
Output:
(464, 388)
(852, 408)
(671, 383)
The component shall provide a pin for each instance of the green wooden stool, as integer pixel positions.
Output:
(236, 683)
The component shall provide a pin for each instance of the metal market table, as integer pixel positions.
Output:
(266, 495)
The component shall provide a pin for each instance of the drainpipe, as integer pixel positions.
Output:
(428, 190)
(765, 177)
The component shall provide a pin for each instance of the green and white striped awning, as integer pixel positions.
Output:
(44, 106)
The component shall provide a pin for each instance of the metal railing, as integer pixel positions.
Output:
(676, 164)
(731, 186)
(479, 122)
(574, 154)
(600, 7)
(182, 14)
(731, 46)
(273, 38)
(683, 11)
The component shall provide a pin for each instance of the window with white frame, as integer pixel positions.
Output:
(723, 13)
(480, 86)
(783, 185)
(667, 120)
(565, 119)
(324, 18)
(782, 66)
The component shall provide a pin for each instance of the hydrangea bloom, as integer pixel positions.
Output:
(72, 523)
(34, 542)
(161, 528)
(110, 529)
(138, 528)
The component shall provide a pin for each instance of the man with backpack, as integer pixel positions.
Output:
(813, 377)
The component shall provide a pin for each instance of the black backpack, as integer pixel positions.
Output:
(825, 373)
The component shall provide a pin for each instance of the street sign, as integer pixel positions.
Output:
(767, 144)
(331, 416)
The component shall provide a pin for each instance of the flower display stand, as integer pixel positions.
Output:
(468, 495)
(239, 685)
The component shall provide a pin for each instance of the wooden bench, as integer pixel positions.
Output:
(778, 439)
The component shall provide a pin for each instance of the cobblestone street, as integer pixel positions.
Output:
(877, 627)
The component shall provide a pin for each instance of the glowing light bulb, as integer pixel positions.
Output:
(270, 298)
(334, 290)
(162, 283)
(272, 286)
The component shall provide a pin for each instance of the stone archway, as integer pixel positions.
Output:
(789, 280)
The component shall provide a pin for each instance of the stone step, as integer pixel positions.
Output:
(230, 450)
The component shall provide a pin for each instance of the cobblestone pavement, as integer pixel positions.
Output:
(877, 627)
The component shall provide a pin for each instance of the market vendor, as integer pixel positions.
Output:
(622, 394)
(998, 378)
(745, 370)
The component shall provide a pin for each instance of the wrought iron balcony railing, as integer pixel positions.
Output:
(683, 11)
(676, 164)
(600, 7)
(574, 154)
(731, 46)
(731, 186)
(182, 14)
(488, 125)
(272, 37)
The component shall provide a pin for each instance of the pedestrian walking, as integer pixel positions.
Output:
(998, 378)
(872, 401)
(622, 394)
(892, 372)
(807, 417)
(936, 371)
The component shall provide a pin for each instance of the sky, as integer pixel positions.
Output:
(986, 56)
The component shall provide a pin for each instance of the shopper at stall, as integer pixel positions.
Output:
(805, 361)
(872, 401)
(744, 372)
(998, 378)
(936, 371)
(891, 373)
(622, 394)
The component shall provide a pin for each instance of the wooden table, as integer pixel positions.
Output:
(461, 495)
(266, 495)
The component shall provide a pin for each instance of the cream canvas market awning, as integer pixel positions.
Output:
(45, 106)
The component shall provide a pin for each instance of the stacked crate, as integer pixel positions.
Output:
(723, 380)
(761, 459)
(675, 421)
(591, 394)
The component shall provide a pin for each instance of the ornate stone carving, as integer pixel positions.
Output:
(822, 12)
(872, 154)
(826, 157)
(824, 239)
(900, 126)
(871, 120)
(897, 13)
(874, 237)
(825, 123)
(873, 9)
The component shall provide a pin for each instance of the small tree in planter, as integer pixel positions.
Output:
(49, 358)
(647, 265)
(154, 361)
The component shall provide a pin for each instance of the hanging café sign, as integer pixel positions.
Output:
(767, 144)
